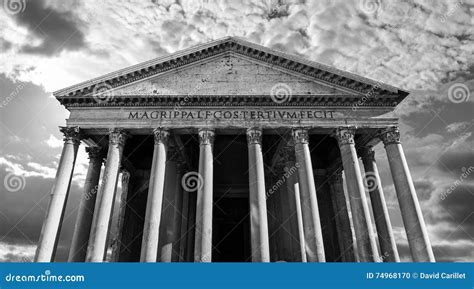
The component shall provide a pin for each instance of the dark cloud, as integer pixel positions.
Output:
(23, 213)
(57, 30)
(452, 252)
(455, 163)
(4, 44)
(424, 188)
(458, 204)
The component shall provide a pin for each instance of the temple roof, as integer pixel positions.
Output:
(352, 84)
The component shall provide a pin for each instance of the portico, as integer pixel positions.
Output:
(233, 152)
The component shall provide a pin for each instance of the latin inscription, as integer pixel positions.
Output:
(231, 114)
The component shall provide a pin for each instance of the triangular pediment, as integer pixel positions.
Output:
(229, 66)
(229, 74)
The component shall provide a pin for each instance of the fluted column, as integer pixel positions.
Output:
(344, 228)
(82, 229)
(388, 247)
(52, 224)
(203, 233)
(309, 203)
(123, 204)
(366, 244)
(97, 246)
(299, 219)
(151, 228)
(258, 203)
(415, 227)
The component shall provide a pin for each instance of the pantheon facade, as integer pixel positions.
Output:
(232, 152)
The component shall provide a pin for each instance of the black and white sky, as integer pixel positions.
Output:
(424, 46)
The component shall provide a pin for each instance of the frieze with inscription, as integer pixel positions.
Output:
(247, 114)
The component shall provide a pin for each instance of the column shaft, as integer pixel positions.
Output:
(203, 233)
(366, 244)
(82, 229)
(258, 205)
(184, 226)
(309, 203)
(299, 218)
(151, 228)
(415, 227)
(343, 221)
(388, 247)
(123, 203)
(97, 246)
(52, 224)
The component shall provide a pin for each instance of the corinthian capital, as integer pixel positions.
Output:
(206, 136)
(161, 135)
(254, 136)
(117, 136)
(71, 134)
(390, 136)
(300, 135)
(345, 135)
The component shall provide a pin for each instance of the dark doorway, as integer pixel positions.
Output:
(231, 230)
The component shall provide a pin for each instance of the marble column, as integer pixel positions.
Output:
(203, 233)
(415, 227)
(151, 228)
(258, 204)
(52, 224)
(388, 247)
(184, 226)
(299, 218)
(344, 231)
(177, 212)
(366, 244)
(309, 203)
(82, 229)
(123, 203)
(97, 247)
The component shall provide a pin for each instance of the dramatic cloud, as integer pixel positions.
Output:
(52, 31)
(425, 46)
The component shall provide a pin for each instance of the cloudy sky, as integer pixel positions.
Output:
(424, 46)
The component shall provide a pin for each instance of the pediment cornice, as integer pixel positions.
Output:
(82, 93)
